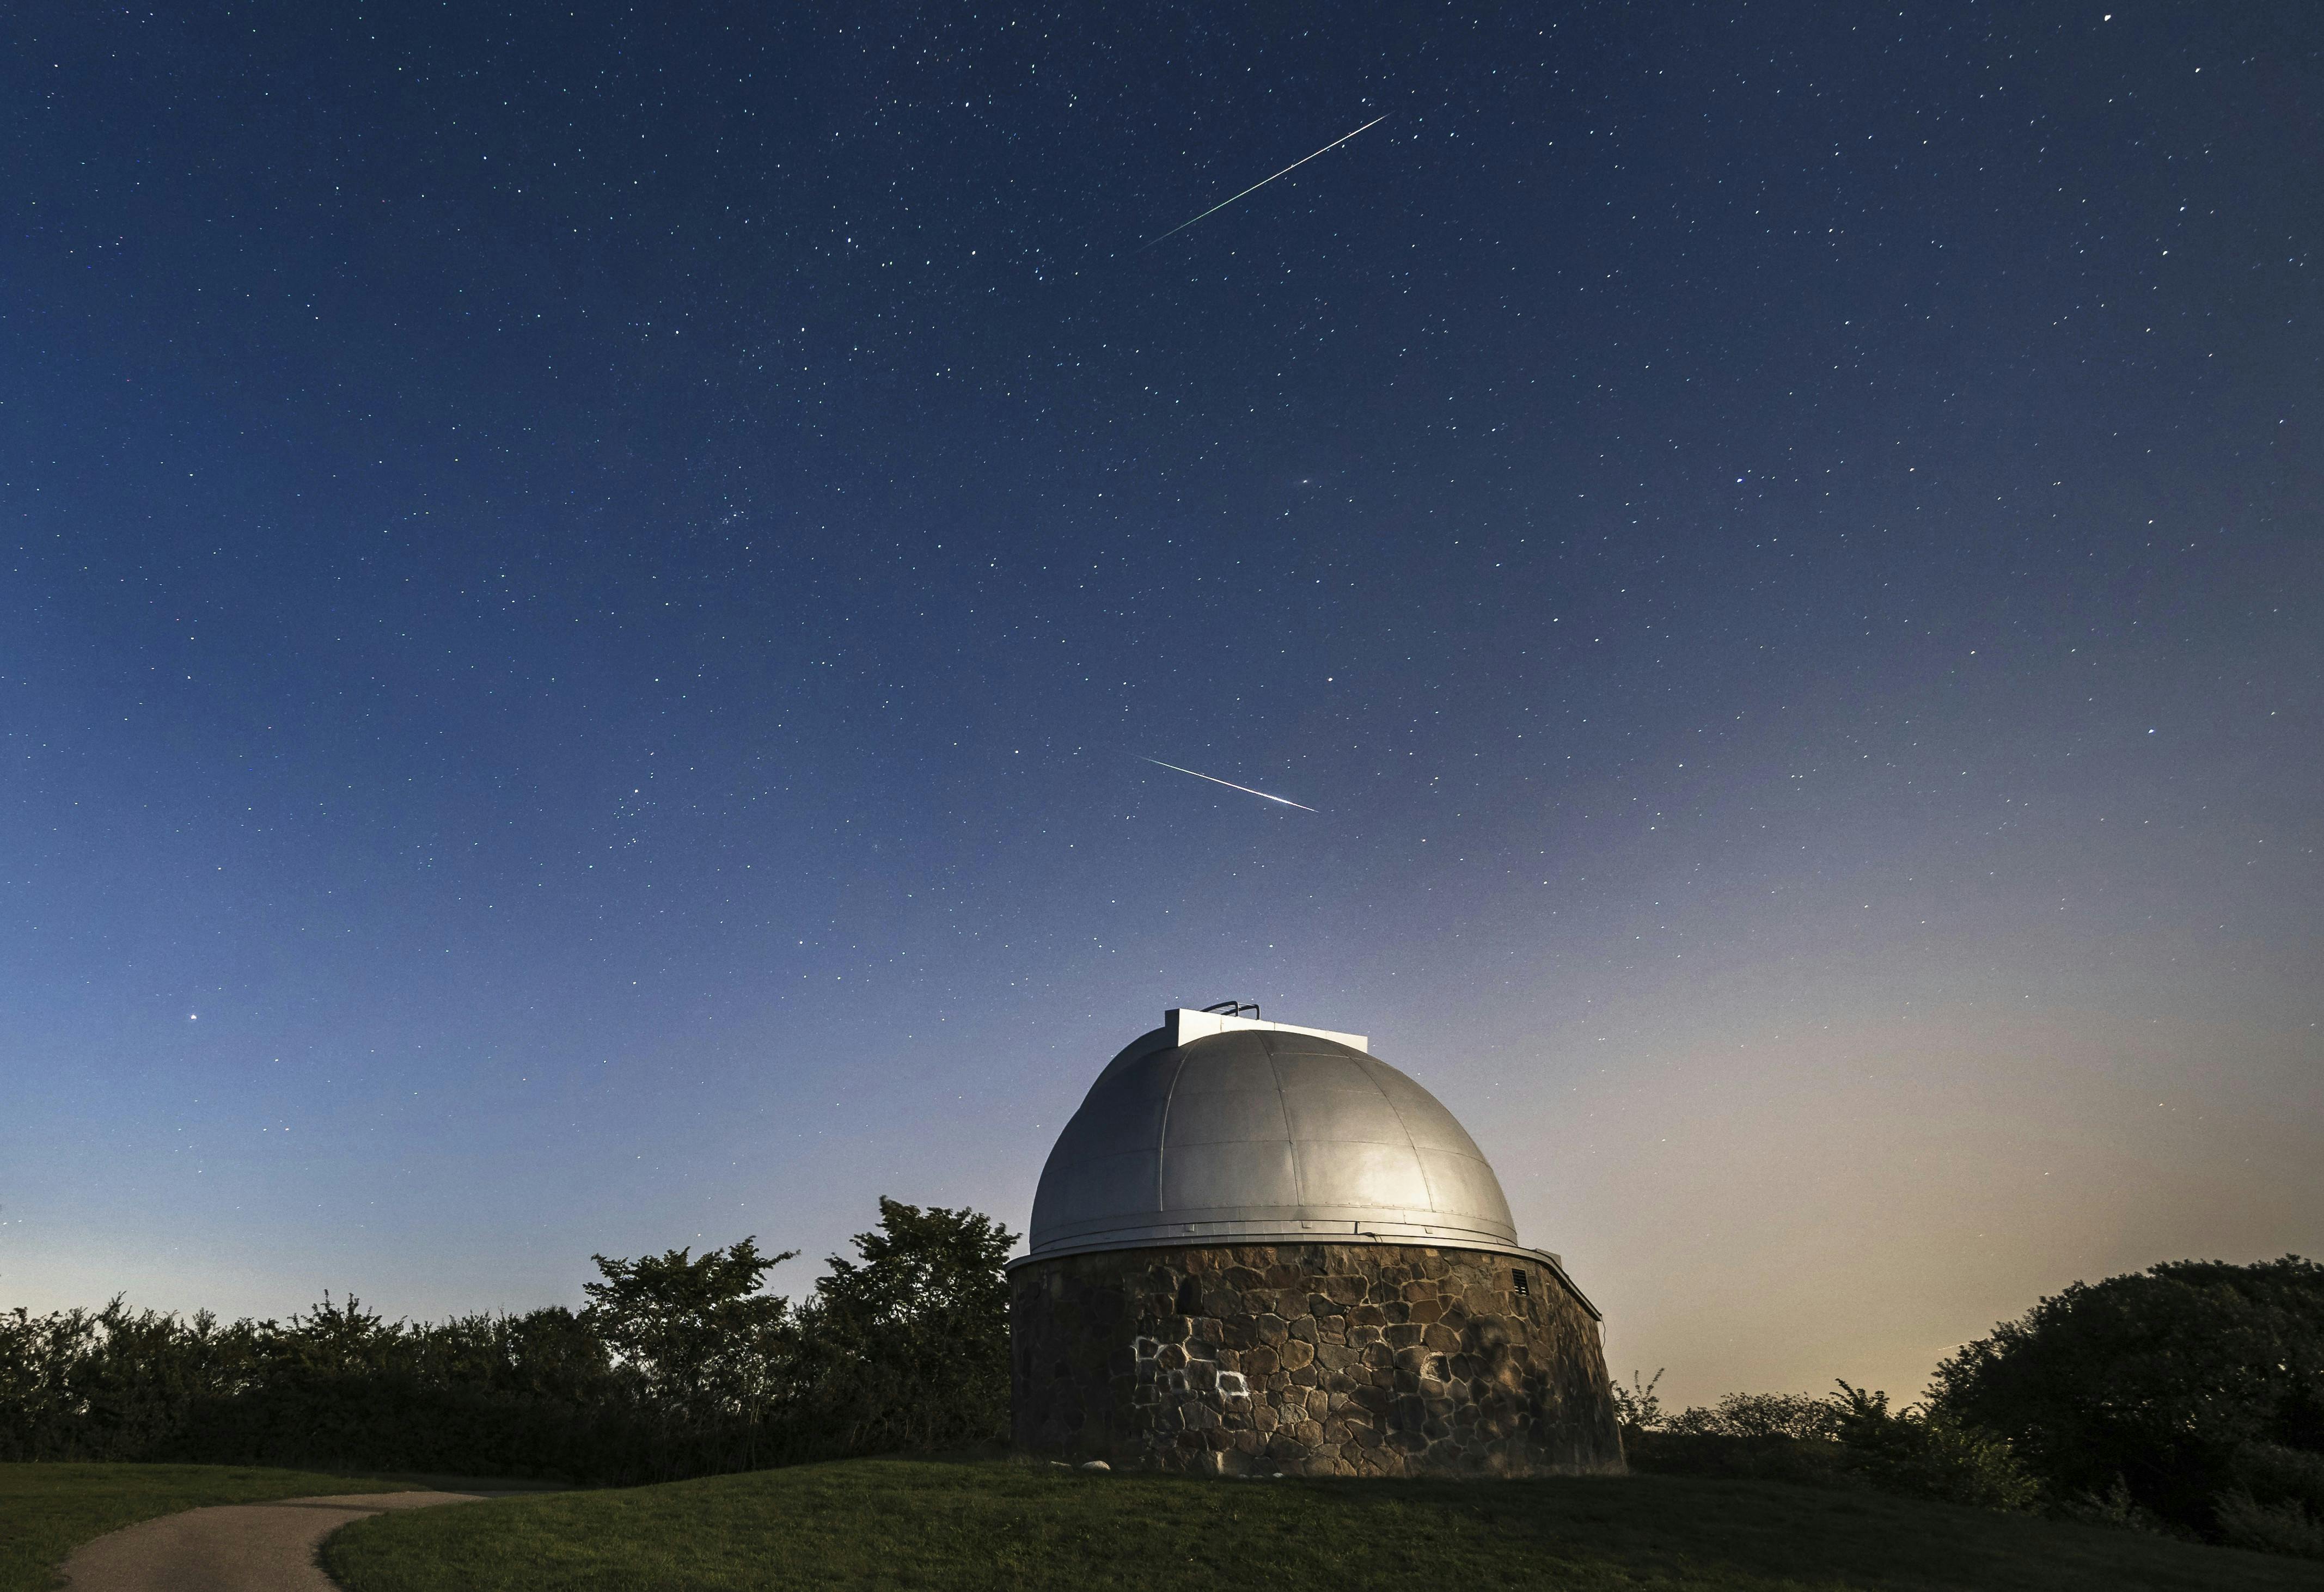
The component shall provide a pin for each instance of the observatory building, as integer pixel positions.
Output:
(1257, 1247)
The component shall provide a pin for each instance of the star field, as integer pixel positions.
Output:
(582, 595)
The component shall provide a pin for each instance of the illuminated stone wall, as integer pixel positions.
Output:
(1314, 1359)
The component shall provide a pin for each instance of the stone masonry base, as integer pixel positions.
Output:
(1312, 1359)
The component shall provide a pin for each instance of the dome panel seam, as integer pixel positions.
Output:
(1162, 1140)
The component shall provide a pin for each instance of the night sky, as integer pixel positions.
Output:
(583, 594)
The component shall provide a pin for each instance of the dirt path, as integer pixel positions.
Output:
(233, 1547)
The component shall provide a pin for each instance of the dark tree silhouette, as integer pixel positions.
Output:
(2176, 1381)
(908, 1347)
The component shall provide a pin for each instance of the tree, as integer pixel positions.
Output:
(2159, 1379)
(680, 1366)
(909, 1349)
(698, 1333)
(110, 1384)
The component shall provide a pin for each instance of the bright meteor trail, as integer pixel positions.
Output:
(1213, 210)
(1230, 784)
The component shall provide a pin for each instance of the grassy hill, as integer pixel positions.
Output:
(899, 1523)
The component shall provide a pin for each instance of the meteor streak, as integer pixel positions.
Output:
(1230, 784)
(1213, 210)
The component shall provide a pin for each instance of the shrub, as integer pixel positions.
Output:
(1927, 1453)
(2116, 1508)
(1801, 1416)
(1637, 1407)
(2285, 1527)
(2275, 1474)
(681, 1365)
(1808, 1462)
(1848, 1439)
(110, 1384)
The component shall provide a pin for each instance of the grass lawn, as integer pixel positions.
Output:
(47, 1511)
(901, 1523)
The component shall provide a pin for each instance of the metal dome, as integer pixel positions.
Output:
(1214, 1129)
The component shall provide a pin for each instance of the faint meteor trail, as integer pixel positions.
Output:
(1213, 210)
(1230, 784)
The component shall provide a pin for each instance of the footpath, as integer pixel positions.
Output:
(233, 1547)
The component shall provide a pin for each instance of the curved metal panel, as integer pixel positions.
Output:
(1254, 1174)
(1432, 1127)
(1226, 1117)
(1247, 1136)
(1458, 1182)
(1352, 1175)
(1342, 1116)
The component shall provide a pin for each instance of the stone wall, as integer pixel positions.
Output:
(1314, 1359)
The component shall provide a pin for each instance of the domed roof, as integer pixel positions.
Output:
(1214, 1129)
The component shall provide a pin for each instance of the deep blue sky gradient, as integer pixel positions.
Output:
(581, 595)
